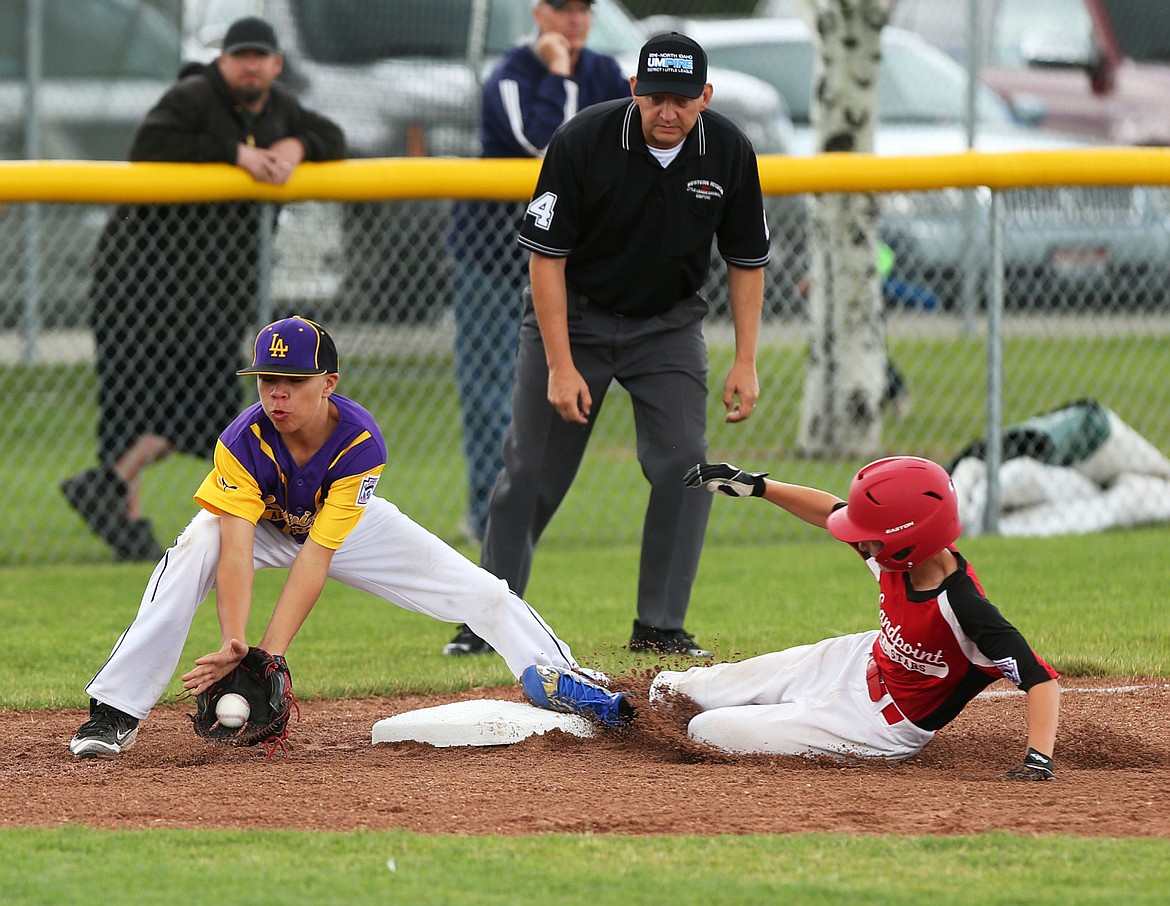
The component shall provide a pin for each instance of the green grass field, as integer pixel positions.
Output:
(51, 414)
(74, 865)
(1083, 610)
(1092, 606)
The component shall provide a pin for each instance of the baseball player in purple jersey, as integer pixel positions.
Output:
(293, 488)
(883, 693)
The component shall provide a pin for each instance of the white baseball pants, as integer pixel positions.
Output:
(808, 700)
(388, 555)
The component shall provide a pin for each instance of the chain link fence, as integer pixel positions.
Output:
(1083, 273)
(1085, 318)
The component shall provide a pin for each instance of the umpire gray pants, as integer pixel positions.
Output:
(661, 361)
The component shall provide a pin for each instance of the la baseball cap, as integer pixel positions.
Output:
(294, 346)
(671, 64)
(250, 33)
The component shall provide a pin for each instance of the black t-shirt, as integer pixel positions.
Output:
(637, 236)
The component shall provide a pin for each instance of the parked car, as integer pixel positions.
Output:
(103, 63)
(403, 79)
(1097, 68)
(1062, 246)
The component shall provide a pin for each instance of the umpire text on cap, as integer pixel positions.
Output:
(250, 33)
(294, 346)
(671, 64)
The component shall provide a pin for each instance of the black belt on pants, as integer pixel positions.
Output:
(877, 691)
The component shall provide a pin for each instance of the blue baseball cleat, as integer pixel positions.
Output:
(559, 689)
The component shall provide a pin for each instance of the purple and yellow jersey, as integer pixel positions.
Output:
(256, 478)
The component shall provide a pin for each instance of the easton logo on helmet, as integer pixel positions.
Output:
(899, 528)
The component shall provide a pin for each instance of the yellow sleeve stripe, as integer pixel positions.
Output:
(361, 438)
(267, 451)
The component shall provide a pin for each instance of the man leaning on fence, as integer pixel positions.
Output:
(174, 287)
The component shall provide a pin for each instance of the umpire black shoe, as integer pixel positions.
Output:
(665, 641)
(107, 732)
(467, 642)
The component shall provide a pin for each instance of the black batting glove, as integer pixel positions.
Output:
(1036, 766)
(724, 478)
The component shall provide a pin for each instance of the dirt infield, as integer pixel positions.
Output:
(1113, 761)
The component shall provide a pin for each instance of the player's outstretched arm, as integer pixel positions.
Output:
(302, 588)
(810, 504)
(234, 576)
(1043, 714)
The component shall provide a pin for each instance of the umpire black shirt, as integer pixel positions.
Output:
(637, 236)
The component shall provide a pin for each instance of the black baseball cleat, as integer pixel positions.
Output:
(665, 641)
(136, 542)
(107, 732)
(100, 496)
(96, 493)
(467, 642)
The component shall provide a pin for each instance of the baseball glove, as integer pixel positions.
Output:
(724, 478)
(264, 680)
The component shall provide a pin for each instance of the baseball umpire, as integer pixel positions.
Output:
(630, 195)
(292, 487)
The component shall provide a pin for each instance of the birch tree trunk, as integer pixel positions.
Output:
(846, 371)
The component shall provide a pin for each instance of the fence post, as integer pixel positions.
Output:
(994, 366)
(264, 303)
(971, 278)
(34, 66)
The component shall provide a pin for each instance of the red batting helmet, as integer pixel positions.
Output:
(905, 502)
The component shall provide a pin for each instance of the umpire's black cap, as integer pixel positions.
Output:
(671, 64)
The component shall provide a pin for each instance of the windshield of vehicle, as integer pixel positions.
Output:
(95, 39)
(1027, 28)
(1142, 29)
(787, 67)
(613, 30)
(921, 85)
(349, 31)
(361, 31)
(913, 87)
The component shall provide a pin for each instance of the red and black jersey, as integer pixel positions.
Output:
(938, 649)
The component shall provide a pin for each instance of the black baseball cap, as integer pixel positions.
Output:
(671, 64)
(557, 4)
(293, 346)
(250, 33)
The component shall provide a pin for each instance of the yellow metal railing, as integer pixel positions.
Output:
(100, 182)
